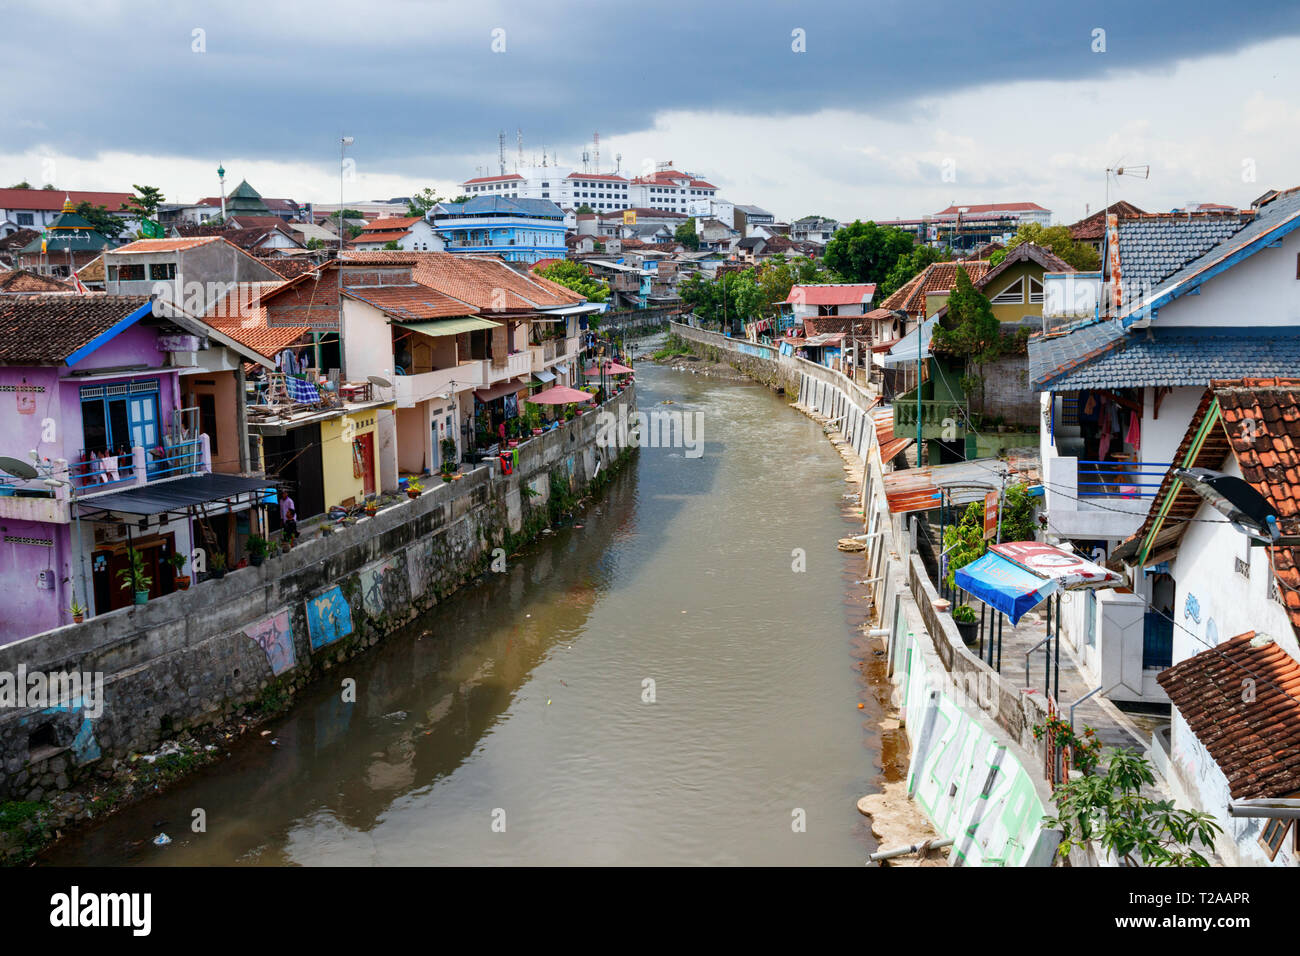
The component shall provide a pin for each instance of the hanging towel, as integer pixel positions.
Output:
(1090, 405)
(1134, 435)
(1116, 423)
(1104, 430)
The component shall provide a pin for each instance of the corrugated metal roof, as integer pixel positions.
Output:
(439, 327)
(918, 489)
(174, 495)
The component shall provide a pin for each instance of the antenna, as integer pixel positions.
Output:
(596, 144)
(519, 143)
(501, 151)
(618, 162)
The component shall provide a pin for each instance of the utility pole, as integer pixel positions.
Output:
(344, 143)
(1001, 494)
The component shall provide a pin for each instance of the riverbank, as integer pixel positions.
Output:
(189, 673)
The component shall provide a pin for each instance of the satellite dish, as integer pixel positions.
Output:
(1249, 512)
(379, 380)
(17, 468)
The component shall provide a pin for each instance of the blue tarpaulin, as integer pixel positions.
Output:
(1003, 585)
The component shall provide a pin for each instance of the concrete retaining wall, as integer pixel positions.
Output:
(191, 658)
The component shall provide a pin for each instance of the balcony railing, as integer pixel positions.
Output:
(1117, 479)
(96, 471)
(941, 413)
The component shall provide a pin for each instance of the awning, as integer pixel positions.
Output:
(562, 369)
(544, 376)
(174, 495)
(1003, 585)
(609, 368)
(437, 327)
(573, 310)
(496, 391)
(560, 395)
(904, 352)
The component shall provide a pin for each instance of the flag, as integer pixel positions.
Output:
(44, 237)
(151, 230)
(81, 289)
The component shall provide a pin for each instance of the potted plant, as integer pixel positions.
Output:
(414, 489)
(177, 561)
(77, 611)
(217, 565)
(257, 548)
(447, 470)
(533, 418)
(967, 623)
(134, 578)
(372, 507)
(448, 447)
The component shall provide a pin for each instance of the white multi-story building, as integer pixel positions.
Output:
(668, 188)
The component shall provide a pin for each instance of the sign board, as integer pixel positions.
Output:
(990, 516)
(629, 217)
(1072, 570)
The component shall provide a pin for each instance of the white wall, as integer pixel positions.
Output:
(1261, 290)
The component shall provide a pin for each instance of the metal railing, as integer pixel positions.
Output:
(1117, 479)
(96, 470)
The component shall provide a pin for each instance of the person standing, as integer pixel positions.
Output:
(289, 519)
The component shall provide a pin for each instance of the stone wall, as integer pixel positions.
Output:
(192, 658)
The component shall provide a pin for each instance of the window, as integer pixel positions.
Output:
(1274, 833)
(162, 270)
(1013, 294)
(26, 219)
(133, 273)
(1035, 291)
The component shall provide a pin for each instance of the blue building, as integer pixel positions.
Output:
(518, 230)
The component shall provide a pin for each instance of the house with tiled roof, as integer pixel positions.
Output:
(117, 400)
(1211, 619)
(1219, 301)
(407, 233)
(22, 282)
(37, 208)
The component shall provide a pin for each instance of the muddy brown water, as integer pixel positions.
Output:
(511, 724)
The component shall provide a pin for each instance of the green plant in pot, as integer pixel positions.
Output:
(448, 448)
(533, 419)
(217, 565)
(77, 611)
(967, 622)
(135, 578)
(177, 561)
(257, 548)
(414, 489)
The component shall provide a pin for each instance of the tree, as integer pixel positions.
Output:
(22, 185)
(685, 234)
(315, 242)
(145, 204)
(391, 245)
(964, 541)
(460, 199)
(907, 266)
(1057, 238)
(585, 210)
(50, 187)
(573, 275)
(105, 223)
(747, 298)
(969, 330)
(866, 252)
(422, 202)
(1111, 809)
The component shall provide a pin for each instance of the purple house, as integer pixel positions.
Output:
(98, 453)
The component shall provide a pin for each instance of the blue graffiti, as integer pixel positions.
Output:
(329, 618)
(1192, 608)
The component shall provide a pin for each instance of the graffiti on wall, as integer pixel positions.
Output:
(419, 568)
(328, 618)
(382, 590)
(274, 635)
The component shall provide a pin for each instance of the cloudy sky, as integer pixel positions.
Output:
(867, 109)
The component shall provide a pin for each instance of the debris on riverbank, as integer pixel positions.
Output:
(689, 362)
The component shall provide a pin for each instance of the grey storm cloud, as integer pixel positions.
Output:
(281, 80)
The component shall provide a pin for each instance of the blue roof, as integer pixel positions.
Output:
(1104, 355)
(505, 206)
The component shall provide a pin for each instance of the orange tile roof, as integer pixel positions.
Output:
(484, 282)
(241, 314)
(410, 303)
(52, 199)
(390, 224)
(1254, 738)
(936, 277)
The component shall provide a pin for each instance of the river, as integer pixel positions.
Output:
(511, 725)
